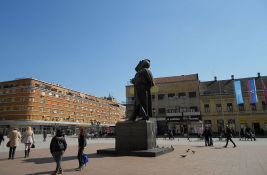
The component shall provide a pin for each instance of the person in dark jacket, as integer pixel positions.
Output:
(228, 135)
(58, 146)
(81, 144)
(206, 136)
(1, 137)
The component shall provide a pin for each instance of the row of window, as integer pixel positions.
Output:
(173, 95)
(229, 107)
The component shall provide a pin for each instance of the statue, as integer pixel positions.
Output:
(143, 81)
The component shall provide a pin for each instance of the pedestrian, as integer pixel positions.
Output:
(206, 136)
(210, 141)
(81, 145)
(28, 140)
(228, 135)
(1, 137)
(14, 137)
(58, 146)
(44, 135)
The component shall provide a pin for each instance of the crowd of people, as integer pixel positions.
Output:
(58, 145)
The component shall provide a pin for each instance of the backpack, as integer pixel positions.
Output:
(84, 159)
(59, 145)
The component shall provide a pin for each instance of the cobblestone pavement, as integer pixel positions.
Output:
(248, 158)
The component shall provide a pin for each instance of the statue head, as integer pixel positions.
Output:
(142, 64)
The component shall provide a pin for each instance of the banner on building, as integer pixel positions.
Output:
(264, 91)
(238, 92)
(253, 99)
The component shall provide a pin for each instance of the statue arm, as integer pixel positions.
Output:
(150, 78)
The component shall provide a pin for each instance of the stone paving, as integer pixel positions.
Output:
(248, 158)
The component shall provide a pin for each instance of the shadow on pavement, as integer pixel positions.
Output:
(43, 160)
(50, 172)
(221, 147)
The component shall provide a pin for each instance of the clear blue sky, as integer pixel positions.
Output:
(93, 46)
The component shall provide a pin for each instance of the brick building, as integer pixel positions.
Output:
(31, 102)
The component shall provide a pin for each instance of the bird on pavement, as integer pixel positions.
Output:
(187, 150)
(183, 155)
(193, 152)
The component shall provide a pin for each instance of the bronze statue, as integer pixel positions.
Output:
(143, 81)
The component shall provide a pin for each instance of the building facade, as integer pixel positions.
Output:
(219, 107)
(31, 102)
(175, 103)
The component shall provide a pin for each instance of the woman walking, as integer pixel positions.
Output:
(14, 137)
(28, 140)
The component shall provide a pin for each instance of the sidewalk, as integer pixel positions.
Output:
(249, 158)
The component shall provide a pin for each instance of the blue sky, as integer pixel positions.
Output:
(93, 46)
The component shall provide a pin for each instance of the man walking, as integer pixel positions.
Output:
(58, 146)
(1, 137)
(82, 144)
(228, 135)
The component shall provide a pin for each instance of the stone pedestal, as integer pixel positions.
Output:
(135, 138)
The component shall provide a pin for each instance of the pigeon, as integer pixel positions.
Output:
(193, 152)
(187, 150)
(183, 156)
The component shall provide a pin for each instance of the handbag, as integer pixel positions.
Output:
(33, 146)
(8, 144)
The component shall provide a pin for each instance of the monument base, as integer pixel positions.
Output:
(135, 138)
(154, 152)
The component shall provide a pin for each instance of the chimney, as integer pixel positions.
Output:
(259, 75)
(232, 77)
(215, 78)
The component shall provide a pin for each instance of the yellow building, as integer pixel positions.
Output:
(175, 103)
(219, 107)
(39, 104)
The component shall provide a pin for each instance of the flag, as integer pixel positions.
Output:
(238, 92)
(264, 90)
(253, 99)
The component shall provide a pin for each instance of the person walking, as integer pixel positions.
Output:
(81, 145)
(1, 137)
(28, 140)
(58, 146)
(44, 135)
(206, 136)
(228, 135)
(14, 137)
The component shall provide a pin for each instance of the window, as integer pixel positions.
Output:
(192, 94)
(218, 107)
(161, 96)
(162, 110)
(41, 109)
(193, 109)
(181, 94)
(241, 107)
(229, 107)
(207, 107)
(183, 109)
(171, 95)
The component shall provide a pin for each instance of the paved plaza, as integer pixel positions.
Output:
(248, 158)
